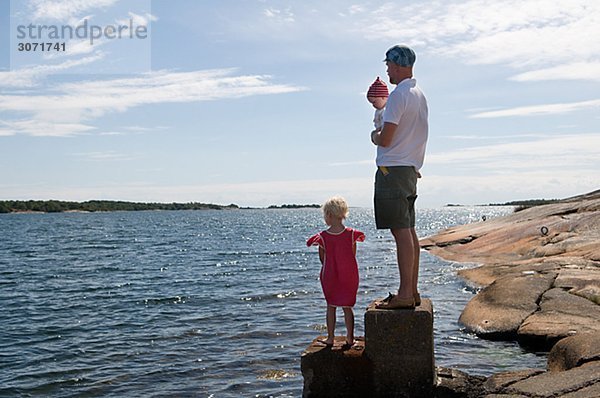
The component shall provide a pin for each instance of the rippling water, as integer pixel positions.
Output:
(199, 303)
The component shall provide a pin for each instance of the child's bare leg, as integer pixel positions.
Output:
(330, 324)
(349, 320)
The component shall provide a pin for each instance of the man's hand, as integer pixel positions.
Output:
(385, 136)
(373, 135)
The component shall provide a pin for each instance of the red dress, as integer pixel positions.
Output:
(339, 273)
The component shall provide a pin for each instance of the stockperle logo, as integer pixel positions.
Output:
(105, 36)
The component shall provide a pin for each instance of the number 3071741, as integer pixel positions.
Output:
(41, 46)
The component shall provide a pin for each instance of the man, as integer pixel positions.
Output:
(400, 153)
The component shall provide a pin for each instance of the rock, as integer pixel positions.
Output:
(592, 391)
(541, 267)
(487, 274)
(335, 371)
(591, 293)
(561, 315)
(499, 309)
(556, 239)
(499, 381)
(558, 384)
(574, 351)
(573, 231)
(451, 383)
(584, 282)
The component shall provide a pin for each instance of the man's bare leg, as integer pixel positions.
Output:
(417, 254)
(406, 262)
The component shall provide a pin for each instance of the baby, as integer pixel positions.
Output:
(377, 96)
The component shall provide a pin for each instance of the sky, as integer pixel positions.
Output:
(260, 102)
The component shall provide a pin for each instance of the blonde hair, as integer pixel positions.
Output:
(336, 207)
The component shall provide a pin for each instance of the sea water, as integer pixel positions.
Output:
(201, 303)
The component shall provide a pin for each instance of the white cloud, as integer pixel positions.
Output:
(64, 10)
(553, 167)
(548, 167)
(536, 110)
(498, 137)
(104, 156)
(437, 190)
(575, 152)
(352, 163)
(270, 13)
(356, 9)
(76, 21)
(64, 109)
(518, 33)
(138, 19)
(38, 127)
(134, 130)
(280, 15)
(571, 71)
(78, 47)
(31, 77)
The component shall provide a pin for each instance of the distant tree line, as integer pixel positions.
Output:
(531, 202)
(526, 204)
(518, 204)
(294, 206)
(57, 206)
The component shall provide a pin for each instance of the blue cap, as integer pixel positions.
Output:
(401, 55)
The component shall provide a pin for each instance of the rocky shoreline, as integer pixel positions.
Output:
(539, 273)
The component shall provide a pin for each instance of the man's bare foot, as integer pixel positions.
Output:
(417, 298)
(396, 303)
(327, 341)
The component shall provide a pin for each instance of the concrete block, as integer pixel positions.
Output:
(336, 371)
(399, 345)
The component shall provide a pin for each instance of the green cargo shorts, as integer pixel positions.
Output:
(395, 195)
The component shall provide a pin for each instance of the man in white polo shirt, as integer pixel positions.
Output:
(400, 153)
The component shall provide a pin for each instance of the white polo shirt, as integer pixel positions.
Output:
(406, 107)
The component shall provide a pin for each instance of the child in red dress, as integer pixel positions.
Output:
(339, 273)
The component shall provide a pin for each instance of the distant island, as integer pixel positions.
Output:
(91, 206)
(520, 204)
(57, 206)
(527, 203)
(295, 206)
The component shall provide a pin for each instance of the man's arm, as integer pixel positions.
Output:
(384, 137)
